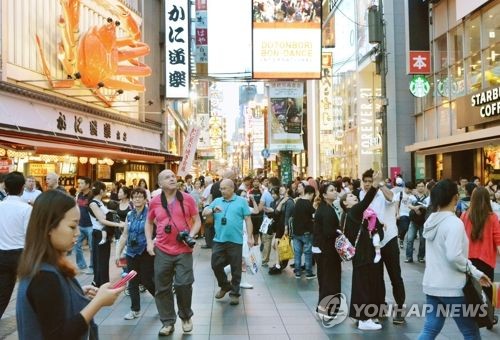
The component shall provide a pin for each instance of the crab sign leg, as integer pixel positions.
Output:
(123, 85)
(46, 71)
(68, 25)
(136, 50)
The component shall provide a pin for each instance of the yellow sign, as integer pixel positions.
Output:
(40, 169)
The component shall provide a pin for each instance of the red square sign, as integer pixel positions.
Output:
(419, 62)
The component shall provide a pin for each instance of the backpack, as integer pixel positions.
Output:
(416, 218)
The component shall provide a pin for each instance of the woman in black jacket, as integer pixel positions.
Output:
(367, 276)
(327, 259)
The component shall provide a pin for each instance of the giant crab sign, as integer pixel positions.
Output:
(97, 58)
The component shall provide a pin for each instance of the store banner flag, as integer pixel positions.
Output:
(286, 116)
(189, 150)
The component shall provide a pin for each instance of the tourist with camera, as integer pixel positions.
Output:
(229, 212)
(138, 259)
(177, 220)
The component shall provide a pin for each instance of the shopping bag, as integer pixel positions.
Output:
(253, 260)
(285, 250)
(496, 295)
(266, 223)
(475, 296)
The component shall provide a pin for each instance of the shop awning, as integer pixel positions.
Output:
(463, 141)
(45, 146)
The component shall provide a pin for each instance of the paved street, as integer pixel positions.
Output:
(279, 307)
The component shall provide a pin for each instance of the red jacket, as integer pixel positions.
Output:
(486, 248)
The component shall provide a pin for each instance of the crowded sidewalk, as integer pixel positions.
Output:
(278, 307)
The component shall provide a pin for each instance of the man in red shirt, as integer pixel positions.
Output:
(177, 221)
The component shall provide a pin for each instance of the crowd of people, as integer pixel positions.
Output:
(457, 225)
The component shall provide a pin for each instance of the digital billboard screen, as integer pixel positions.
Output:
(286, 39)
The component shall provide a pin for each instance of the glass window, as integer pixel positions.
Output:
(456, 45)
(491, 65)
(473, 71)
(429, 99)
(442, 86)
(453, 118)
(444, 120)
(457, 80)
(419, 129)
(472, 36)
(440, 53)
(430, 131)
(491, 26)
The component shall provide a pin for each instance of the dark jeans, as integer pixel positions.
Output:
(488, 271)
(169, 269)
(223, 254)
(9, 260)
(100, 258)
(390, 258)
(144, 266)
(209, 234)
(412, 233)
(403, 225)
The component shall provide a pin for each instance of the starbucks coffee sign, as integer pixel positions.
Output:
(478, 108)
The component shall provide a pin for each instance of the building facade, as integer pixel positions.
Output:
(457, 125)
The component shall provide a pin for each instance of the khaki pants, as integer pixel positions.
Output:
(267, 242)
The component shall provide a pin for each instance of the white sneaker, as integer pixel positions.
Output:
(166, 330)
(187, 325)
(368, 325)
(132, 315)
(377, 258)
(246, 285)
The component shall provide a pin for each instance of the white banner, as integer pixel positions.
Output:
(190, 145)
(177, 48)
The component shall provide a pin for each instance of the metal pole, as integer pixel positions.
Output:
(383, 93)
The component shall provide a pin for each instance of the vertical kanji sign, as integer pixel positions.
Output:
(177, 48)
(190, 146)
(419, 62)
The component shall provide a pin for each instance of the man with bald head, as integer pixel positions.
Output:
(52, 180)
(177, 221)
(230, 212)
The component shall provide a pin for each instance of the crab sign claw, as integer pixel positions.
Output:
(126, 19)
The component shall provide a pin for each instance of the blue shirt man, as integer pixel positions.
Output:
(229, 213)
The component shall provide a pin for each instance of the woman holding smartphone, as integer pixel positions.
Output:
(51, 304)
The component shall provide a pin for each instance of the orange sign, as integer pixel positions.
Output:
(5, 164)
(40, 169)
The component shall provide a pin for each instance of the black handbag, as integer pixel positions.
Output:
(474, 295)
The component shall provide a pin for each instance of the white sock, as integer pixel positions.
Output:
(377, 255)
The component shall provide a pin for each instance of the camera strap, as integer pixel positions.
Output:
(164, 203)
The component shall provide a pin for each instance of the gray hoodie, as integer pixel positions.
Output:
(447, 250)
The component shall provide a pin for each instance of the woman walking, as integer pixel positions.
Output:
(100, 250)
(138, 258)
(51, 304)
(447, 262)
(367, 276)
(329, 269)
(483, 231)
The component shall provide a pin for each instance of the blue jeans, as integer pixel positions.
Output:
(434, 320)
(85, 233)
(412, 233)
(302, 244)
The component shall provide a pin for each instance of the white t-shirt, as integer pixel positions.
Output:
(15, 215)
(95, 222)
(406, 199)
(386, 213)
(30, 196)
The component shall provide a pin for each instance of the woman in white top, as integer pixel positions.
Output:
(447, 248)
(100, 251)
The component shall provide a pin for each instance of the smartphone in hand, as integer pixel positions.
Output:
(123, 281)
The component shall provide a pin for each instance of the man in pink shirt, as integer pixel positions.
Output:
(177, 221)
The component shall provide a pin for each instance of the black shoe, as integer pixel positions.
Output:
(422, 260)
(495, 321)
(205, 247)
(274, 270)
(292, 265)
(399, 318)
(409, 261)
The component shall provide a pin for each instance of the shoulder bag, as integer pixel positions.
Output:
(474, 295)
(343, 246)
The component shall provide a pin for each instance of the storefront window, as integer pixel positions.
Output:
(492, 162)
(444, 120)
(429, 99)
(491, 29)
(472, 36)
(491, 57)
(457, 80)
(473, 70)
(430, 123)
(456, 45)
(440, 53)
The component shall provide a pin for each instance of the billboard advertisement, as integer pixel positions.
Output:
(286, 102)
(286, 39)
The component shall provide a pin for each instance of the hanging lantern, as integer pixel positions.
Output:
(93, 160)
(83, 160)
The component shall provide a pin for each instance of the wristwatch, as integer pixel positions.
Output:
(381, 184)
